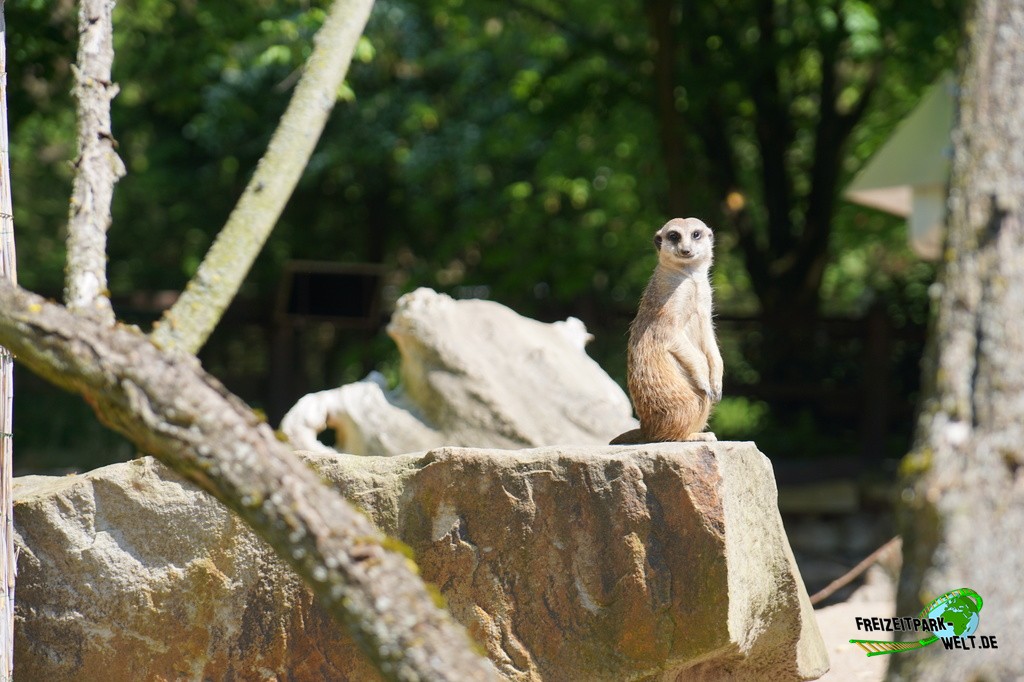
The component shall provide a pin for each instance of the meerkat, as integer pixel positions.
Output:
(674, 365)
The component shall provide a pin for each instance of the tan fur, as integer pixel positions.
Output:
(675, 368)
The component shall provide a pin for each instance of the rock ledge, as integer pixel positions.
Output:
(664, 562)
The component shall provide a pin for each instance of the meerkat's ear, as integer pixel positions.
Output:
(657, 240)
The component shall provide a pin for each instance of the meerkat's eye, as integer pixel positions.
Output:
(695, 235)
(674, 237)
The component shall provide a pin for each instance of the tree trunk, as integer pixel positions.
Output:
(8, 272)
(963, 498)
(660, 25)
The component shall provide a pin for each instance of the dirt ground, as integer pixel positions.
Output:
(849, 662)
(875, 598)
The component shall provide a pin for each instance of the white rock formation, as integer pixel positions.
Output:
(474, 373)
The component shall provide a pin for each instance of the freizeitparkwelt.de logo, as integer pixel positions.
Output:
(952, 619)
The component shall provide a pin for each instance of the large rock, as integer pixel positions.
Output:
(474, 373)
(664, 562)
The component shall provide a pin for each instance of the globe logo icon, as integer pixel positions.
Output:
(959, 610)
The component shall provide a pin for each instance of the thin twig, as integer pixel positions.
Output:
(851, 575)
(98, 166)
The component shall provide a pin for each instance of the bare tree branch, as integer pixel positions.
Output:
(169, 407)
(188, 324)
(98, 166)
(892, 546)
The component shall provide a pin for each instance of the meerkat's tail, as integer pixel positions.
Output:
(631, 437)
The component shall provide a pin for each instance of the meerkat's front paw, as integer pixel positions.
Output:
(705, 436)
(708, 391)
(716, 393)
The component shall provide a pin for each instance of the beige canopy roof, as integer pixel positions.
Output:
(916, 155)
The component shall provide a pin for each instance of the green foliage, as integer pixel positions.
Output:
(738, 418)
(476, 135)
(505, 149)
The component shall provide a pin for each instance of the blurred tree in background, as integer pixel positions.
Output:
(524, 151)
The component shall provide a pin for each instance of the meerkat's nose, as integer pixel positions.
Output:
(687, 252)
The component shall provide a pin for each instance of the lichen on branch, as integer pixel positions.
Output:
(97, 168)
(188, 323)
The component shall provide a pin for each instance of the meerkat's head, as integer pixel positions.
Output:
(684, 244)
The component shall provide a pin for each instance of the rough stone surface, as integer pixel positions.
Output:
(659, 562)
(473, 373)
